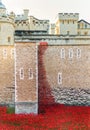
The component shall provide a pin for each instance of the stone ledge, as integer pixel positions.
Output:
(26, 107)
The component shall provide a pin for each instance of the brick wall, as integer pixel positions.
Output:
(6, 74)
(26, 87)
(61, 74)
(75, 75)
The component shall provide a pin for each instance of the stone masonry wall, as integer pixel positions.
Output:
(44, 88)
(7, 83)
(72, 86)
(26, 90)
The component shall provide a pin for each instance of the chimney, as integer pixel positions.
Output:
(26, 12)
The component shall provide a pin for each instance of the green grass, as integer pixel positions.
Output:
(10, 110)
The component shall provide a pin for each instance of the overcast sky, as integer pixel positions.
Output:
(48, 9)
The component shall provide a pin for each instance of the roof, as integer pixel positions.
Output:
(2, 6)
(83, 21)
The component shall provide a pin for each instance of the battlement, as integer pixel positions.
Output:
(23, 16)
(44, 21)
(66, 16)
(6, 19)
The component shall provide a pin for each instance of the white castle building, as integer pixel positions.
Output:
(66, 24)
(69, 24)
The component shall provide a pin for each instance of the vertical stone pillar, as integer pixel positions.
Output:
(26, 78)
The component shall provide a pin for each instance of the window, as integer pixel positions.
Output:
(85, 33)
(79, 33)
(4, 53)
(12, 53)
(62, 53)
(82, 25)
(21, 73)
(9, 39)
(59, 78)
(62, 21)
(68, 21)
(70, 53)
(30, 73)
(78, 53)
(78, 25)
(0, 27)
(73, 22)
(67, 32)
(85, 25)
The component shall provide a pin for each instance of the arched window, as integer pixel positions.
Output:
(12, 53)
(21, 73)
(30, 73)
(70, 53)
(59, 78)
(78, 53)
(4, 53)
(62, 53)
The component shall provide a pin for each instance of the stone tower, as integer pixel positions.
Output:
(67, 23)
(6, 56)
(6, 27)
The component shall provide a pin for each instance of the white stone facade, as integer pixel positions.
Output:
(66, 24)
(26, 22)
(7, 27)
(69, 24)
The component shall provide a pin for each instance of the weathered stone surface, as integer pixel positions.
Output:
(26, 107)
(75, 86)
(7, 84)
(44, 89)
(46, 63)
(25, 88)
(72, 96)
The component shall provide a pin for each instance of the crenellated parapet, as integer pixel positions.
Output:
(66, 16)
(23, 16)
(37, 24)
(6, 19)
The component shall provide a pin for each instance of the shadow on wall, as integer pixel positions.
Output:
(44, 91)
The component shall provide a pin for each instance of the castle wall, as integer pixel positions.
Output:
(84, 31)
(68, 28)
(26, 91)
(7, 32)
(67, 23)
(36, 24)
(64, 74)
(7, 85)
(22, 25)
(73, 16)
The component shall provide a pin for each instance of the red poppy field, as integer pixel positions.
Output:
(55, 117)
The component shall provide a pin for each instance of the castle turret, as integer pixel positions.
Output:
(67, 23)
(2, 9)
(6, 27)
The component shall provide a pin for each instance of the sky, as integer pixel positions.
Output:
(49, 9)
